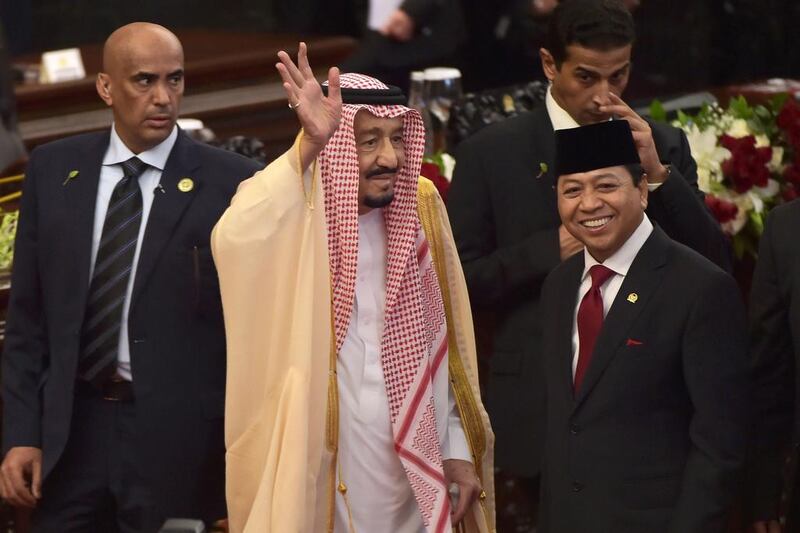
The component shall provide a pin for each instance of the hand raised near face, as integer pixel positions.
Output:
(642, 137)
(319, 115)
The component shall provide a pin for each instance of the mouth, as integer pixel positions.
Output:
(382, 178)
(596, 224)
(159, 121)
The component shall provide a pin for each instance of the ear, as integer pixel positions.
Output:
(548, 64)
(644, 191)
(103, 86)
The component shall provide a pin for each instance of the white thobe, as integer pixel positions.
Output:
(378, 491)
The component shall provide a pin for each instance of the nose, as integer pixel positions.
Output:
(590, 201)
(601, 93)
(387, 157)
(160, 94)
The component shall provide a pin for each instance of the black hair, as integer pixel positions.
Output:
(596, 24)
(636, 171)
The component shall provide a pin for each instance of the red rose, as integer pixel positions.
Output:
(789, 121)
(789, 192)
(747, 166)
(792, 173)
(723, 210)
(432, 172)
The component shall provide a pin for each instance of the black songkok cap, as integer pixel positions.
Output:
(391, 96)
(602, 145)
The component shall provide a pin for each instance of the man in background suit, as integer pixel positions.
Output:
(775, 352)
(114, 362)
(12, 151)
(503, 210)
(406, 35)
(645, 360)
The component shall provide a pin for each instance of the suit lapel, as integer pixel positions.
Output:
(168, 208)
(544, 150)
(80, 195)
(643, 279)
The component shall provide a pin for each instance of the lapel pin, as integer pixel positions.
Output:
(542, 170)
(186, 185)
(633, 297)
(71, 176)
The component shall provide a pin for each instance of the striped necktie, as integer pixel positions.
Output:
(112, 270)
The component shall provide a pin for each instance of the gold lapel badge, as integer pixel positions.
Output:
(186, 185)
(71, 176)
(633, 297)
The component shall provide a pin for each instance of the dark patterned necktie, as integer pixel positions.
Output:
(590, 320)
(112, 270)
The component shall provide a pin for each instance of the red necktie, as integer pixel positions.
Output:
(590, 320)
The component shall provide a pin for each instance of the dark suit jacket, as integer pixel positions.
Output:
(653, 440)
(175, 320)
(438, 33)
(775, 352)
(505, 222)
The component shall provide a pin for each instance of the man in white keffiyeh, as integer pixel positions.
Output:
(352, 403)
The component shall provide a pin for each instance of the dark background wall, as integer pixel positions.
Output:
(682, 44)
(35, 25)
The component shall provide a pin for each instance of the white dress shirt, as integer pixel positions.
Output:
(378, 491)
(559, 118)
(620, 263)
(379, 11)
(110, 174)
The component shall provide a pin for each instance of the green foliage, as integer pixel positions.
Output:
(8, 230)
(657, 111)
(437, 159)
(740, 108)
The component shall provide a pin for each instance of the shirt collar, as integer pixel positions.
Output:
(620, 262)
(559, 117)
(155, 157)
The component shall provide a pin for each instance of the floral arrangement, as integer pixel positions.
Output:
(439, 169)
(748, 161)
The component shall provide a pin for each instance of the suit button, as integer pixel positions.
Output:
(574, 429)
(577, 486)
(138, 341)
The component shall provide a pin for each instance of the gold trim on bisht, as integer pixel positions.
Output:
(332, 427)
(467, 407)
(465, 400)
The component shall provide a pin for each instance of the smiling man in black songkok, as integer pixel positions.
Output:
(644, 357)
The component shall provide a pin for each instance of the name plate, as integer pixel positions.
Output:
(62, 65)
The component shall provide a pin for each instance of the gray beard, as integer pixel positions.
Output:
(378, 201)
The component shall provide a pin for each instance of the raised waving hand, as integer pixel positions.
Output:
(319, 115)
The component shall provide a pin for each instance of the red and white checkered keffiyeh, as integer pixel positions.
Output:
(414, 343)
